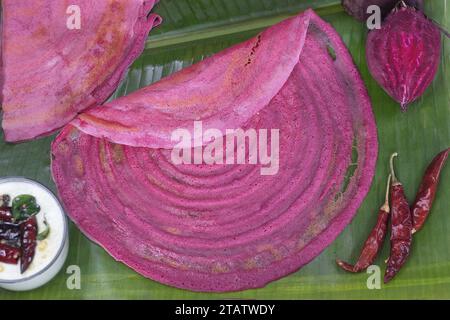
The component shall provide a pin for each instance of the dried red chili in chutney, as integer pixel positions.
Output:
(375, 240)
(29, 230)
(9, 254)
(5, 214)
(427, 190)
(401, 227)
(9, 231)
(5, 209)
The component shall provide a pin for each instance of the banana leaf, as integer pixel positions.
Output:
(195, 29)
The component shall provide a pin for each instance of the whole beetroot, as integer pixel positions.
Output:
(403, 56)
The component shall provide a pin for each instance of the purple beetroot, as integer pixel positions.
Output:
(403, 56)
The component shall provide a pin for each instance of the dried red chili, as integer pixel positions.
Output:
(375, 240)
(29, 230)
(401, 227)
(9, 231)
(5, 214)
(427, 190)
(9, 254)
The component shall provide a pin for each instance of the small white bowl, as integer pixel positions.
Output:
(48, 261)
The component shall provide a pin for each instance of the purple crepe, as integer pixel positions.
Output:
(50, 72)
(226, 227)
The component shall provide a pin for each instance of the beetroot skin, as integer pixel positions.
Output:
(403, 56)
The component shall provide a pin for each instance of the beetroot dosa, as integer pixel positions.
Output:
(226, 227)
(51, 73)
